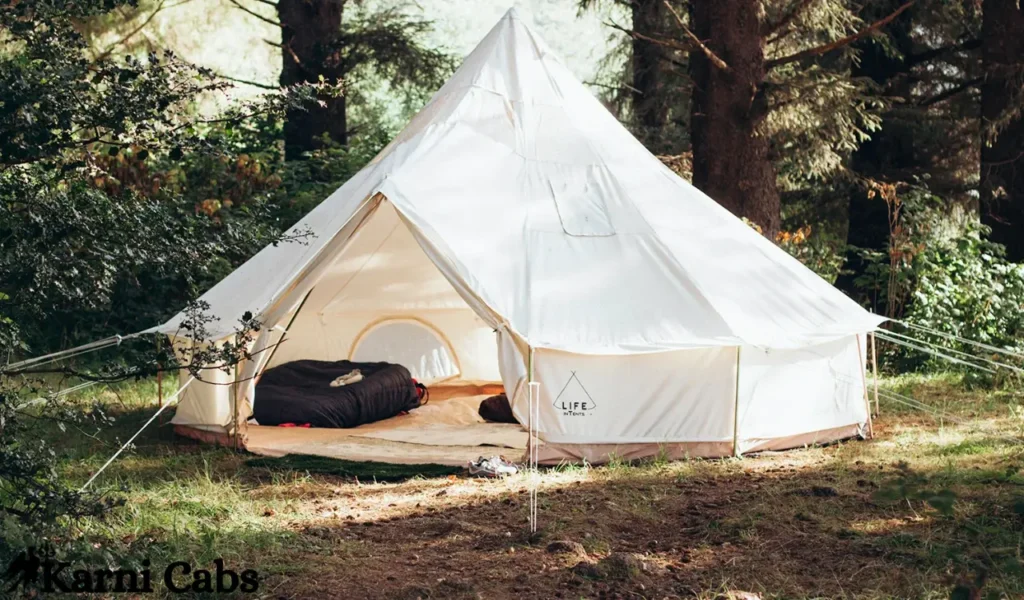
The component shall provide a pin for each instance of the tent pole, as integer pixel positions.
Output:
(874, 369)
(736, 410)
(529, 421)
(159, 377)
(234, 396)
(864, 380)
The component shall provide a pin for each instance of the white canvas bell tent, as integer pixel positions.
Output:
(516, 231)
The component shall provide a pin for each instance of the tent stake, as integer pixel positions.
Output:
(874, 369)
(533, 389)
(736, 410)
(864, 380)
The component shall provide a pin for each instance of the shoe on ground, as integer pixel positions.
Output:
(495, 466)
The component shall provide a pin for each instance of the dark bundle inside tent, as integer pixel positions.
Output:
(300, 392)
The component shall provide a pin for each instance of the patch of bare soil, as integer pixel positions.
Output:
(782, 525)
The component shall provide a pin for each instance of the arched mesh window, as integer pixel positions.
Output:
(413, 344)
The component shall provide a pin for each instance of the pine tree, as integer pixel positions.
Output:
(731, 161)
(342, 45)
(651, 66)
(773, 105)
(309, 30)
(646, 83)
(925, 65)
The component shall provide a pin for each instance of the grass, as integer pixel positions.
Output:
(847, 520)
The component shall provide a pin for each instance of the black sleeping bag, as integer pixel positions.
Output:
(300, 392)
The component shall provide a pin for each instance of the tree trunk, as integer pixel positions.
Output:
(650, 107)
(309, 29)
(731, 162)
(1002, 158)
(889, 154)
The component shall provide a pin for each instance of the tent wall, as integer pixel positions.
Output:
(685, 395)
(785, 394)
(687, 403)
(206, 402)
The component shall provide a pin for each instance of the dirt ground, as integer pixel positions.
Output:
(805, 523)
(771, 524)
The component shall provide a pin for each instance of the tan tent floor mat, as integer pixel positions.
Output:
(447, 431)
(447, 422)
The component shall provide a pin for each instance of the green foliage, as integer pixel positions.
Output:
(820, 112)
(94, 211)
(102, 232)
(965, 287)
(385, 46)
(948, 279)
(305, 183)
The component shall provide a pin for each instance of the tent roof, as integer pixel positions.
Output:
(549, 218)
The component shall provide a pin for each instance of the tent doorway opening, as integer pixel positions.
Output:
(383, 300)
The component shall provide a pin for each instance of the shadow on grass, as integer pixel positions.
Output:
(364, 471)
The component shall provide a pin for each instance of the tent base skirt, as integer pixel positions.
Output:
(206, 436)
(449, 431)
(597, 454)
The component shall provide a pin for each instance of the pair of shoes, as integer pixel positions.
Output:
(495, 466)
(349, 378)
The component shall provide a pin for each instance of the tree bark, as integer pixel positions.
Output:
(650, 70)
(309, 29)
(731, 161)
(1002, 159)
